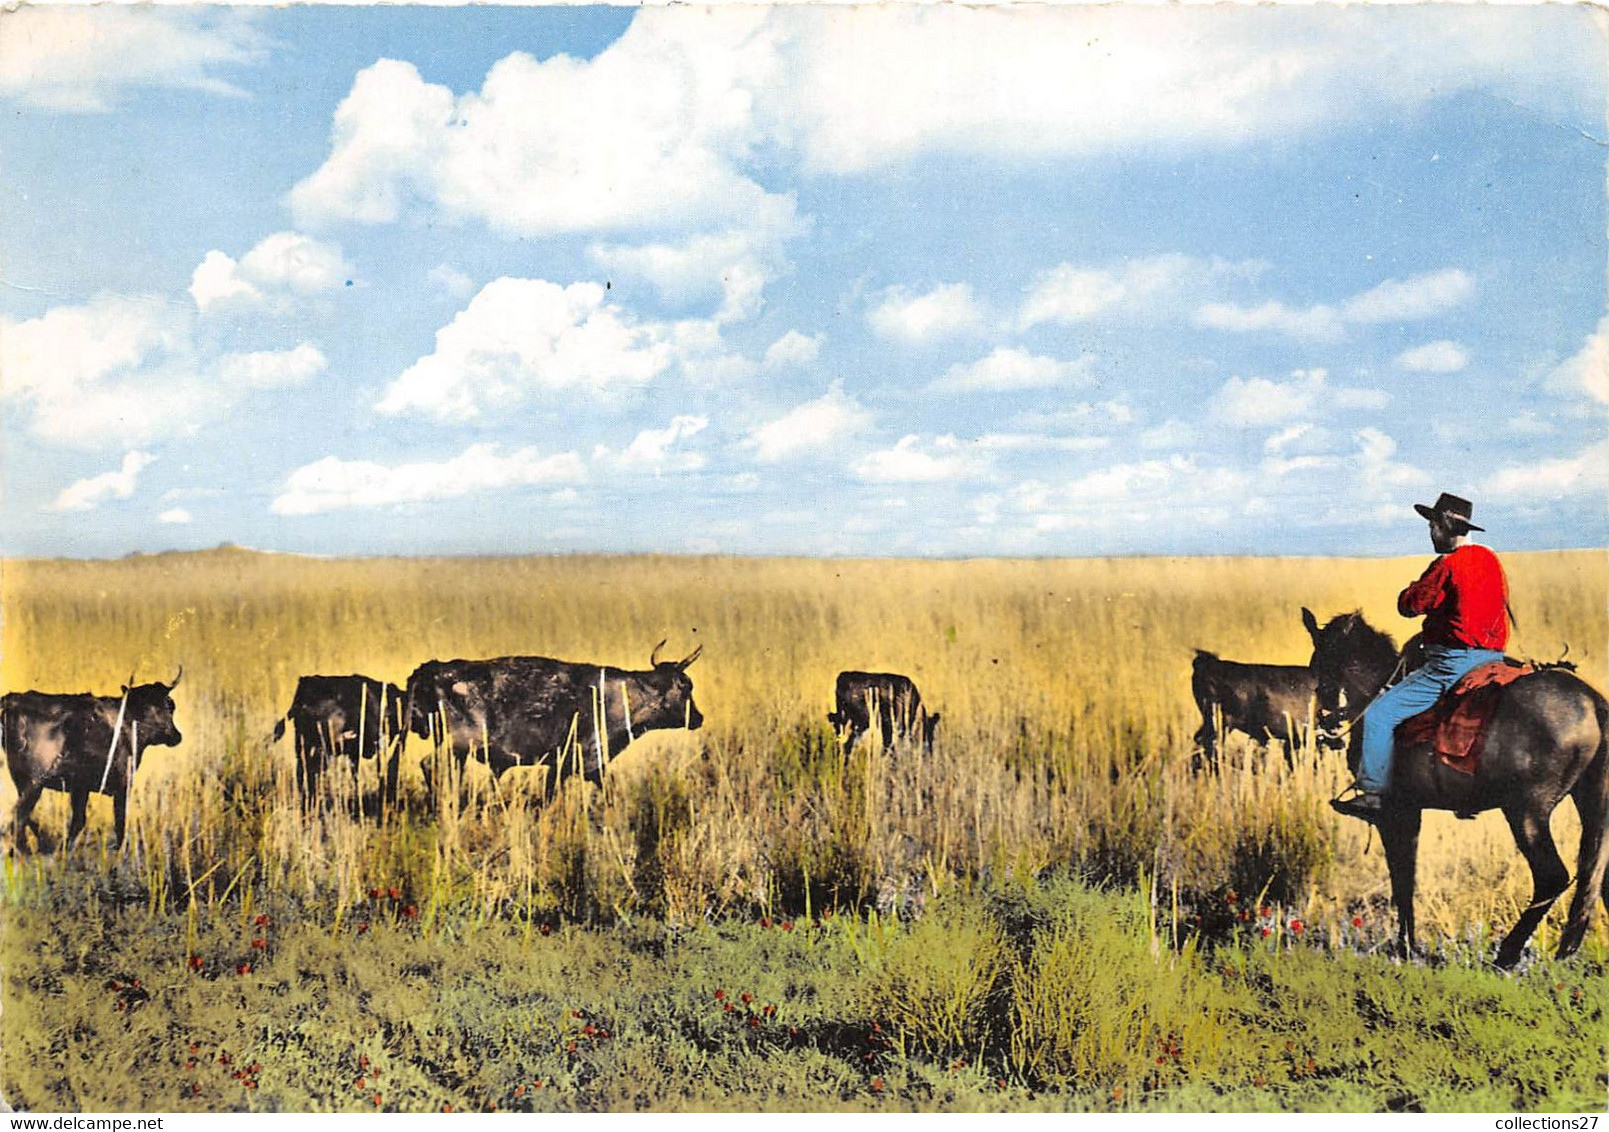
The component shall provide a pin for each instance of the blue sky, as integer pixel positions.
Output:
(801, 280)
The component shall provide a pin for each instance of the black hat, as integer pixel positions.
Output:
(1450, 507)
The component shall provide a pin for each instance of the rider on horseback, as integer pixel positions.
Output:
(1463, 598)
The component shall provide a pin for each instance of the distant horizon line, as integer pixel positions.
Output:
(237, 548)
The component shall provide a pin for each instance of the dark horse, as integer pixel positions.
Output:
(1548, 737)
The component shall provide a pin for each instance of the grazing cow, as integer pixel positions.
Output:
(536, 711)
(895, 701)
(345, 717)
(82, 744)
(1265, 701)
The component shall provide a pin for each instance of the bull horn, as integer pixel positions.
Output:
(653, 657)
(692, 656)
(177, 677)
(130, 682)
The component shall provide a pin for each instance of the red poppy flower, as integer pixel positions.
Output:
(787, 925)
(223, 1059)
(259, 944)
(765, 921)
(746, 997)
(1265, 910)
(754, 1022)
(243, 969)
(262, 921)
(719, 995)
(537, 1082)
(195, 962)
(249, 1083)
(1267, 932)
(363, 927)
(377, 1101)
(1357, 921)
(546, 929)
(394, 893)
(195, 1087)
(375, 893)
(877, 1084)
(1296, 926)
(519, 1090)
(410, 912)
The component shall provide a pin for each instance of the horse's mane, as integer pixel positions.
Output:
(1364, 642)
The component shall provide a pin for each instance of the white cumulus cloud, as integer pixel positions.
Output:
(792, 349)
(942, 460)
(88, 494)
(1441, 356)
(944, 312)
(1587, 370)
(1260, 402)
(810, 429)
(1008, 369)
(174, 515)
(1583, 475)
(520, 337)
(657, 450)
(651, 132)
(84, 59)
(1406, 300)
(333, 484)
(270, 369)
(280, 267)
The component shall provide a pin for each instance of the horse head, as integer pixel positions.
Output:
(1351, 662)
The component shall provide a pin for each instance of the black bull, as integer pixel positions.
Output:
(345, 717)
(1547, 738)
(891, 698)
(82, 744)
(536, 711)
(1265, 701)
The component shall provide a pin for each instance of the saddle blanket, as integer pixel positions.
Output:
(1456, 724)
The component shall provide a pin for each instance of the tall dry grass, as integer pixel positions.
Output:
(1064, 687)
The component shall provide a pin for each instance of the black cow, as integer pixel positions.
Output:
(82, 744)
(895, 701)
(1265, 701)
(345, 717)
(536, 711)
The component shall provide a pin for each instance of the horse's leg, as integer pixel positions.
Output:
(1593, 863)
(1549, 877)
(75, 824)
(1399, 835)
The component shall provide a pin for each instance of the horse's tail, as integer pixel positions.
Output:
(1591, 794)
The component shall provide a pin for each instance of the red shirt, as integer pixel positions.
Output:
(1464, 598)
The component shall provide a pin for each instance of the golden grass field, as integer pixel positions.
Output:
(1064, 687)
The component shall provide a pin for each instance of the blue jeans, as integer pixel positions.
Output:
(1418, 691)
